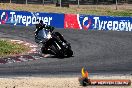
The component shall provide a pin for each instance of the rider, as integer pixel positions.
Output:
(46, 43)
(39, 27)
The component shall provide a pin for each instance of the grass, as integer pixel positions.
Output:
(123, 10)
(8, 48)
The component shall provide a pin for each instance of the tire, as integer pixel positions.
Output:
(60, 54)
(69, 53)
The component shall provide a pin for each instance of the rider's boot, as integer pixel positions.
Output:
(44, 49)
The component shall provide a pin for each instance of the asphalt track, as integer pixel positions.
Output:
(96, 51)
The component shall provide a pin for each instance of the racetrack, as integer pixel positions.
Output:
(97, 51)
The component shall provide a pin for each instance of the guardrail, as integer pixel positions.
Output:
(67, 21)
(94, 2)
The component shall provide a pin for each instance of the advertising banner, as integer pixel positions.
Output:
(71, 21)
(91, 22)
(25, 18)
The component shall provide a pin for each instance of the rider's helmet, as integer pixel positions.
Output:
(37, 23)
(37, 20)
(41, 22)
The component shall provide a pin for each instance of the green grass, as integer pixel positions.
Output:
(8, 48)
(123, 10)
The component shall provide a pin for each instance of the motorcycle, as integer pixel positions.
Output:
(57, 45)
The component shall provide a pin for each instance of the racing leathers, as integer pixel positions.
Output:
(42, 38)
(45, 40)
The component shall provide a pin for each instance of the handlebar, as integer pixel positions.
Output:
(50, 28)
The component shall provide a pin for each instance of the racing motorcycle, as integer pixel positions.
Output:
(57, 45)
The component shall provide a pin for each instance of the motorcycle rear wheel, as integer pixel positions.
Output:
(69, 53)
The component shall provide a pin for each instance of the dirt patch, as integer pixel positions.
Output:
(54, 82)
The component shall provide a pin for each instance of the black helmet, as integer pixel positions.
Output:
(41, 21)
(37, 20)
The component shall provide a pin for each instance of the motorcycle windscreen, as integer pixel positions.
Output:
(42, 34)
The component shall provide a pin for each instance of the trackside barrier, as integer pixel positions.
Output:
(71, 21)
(25, 18)
(91, 22)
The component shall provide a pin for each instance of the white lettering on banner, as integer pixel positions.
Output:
(46, 20)
(4, 17)
(96, 21)
(12, 13)
(34, 20)
(26, 20)
(3, 14)
(115, 25)
(105, 22)
(109, 25)
(129, 26)
(122, 25)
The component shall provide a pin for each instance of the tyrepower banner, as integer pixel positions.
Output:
(72, 21)
(90, 22)
(25, 18)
